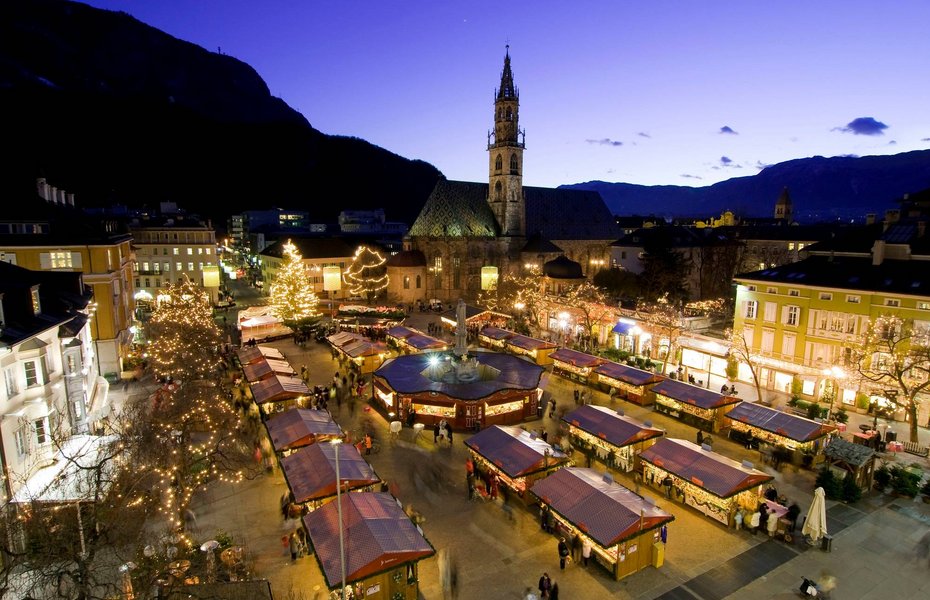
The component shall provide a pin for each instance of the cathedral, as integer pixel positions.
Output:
(465, 226)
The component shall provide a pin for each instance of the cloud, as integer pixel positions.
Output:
(892, 143)
(688, 176)
(728, 130)
(761, 165)
(925, 139)
(725, 161)
(644, 134)
(605, 142)
(863, 126)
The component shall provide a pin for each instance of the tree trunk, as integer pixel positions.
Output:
(755, 378)
(912, 418)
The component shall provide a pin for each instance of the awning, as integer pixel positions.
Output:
(623, 328)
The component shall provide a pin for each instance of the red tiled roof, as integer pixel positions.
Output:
(311, 471)
(251, 354)
(514, 451)
(607, 424)
(575, 358)
(265, 368)
(300, 427)
(692, 394)
(278, 388)
(717, 474)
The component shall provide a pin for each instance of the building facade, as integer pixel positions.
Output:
(317, 253)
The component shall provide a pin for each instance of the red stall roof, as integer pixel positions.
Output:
(692, 394)
(265, 368)
(514, 451)
(528, 343)
(311, 471)
(717, 474)
(610, 426)
(278, 388)
(575, 358)
(250, 354)
(786, 425)
(626, 374)
(496, 333)
(300, 427)
(606, 511)
(344, 338)
(378, 537)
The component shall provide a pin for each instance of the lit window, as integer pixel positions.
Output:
(40, 426)
(800, 246)
(178, 267)
(145, 266)
(36, 304)
(790, 245)
(199, 250)
(22, 441)
(60, 260)
(406, 282)
(792, 314)
(751, 308)
(771, 290)
(853, 299)
(32, 373)
(892, 302)
(190, 251)
(751, 288)
(826, 296)
(190, 266)
(176, 251)
(167, 266)
(207, 250)
(200, 266)
(794, 293)
(923, 306)
(9, 377)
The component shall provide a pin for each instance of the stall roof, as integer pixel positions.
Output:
(342, 338)
(311, 471)
(374, 526)
(514, 451)
(852, 454)
(299, 427)
(717, 474)
(496, 333)
(528, 343)
(404, 375)
(401, 333)
(278, 388)
(575, 358)
(692, 394)
(251, 354)
(630, 375)
(606, 511)
(364, 348)
(262, 369)
(780, 423)
(610, 426)
(425, 342)
(471, 313)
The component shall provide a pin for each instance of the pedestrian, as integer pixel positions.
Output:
(528, 594)
(577, 396)
(550, 521)
(738, 519)
(754, 520)
(543, 509)
(554, 592)
(435, 433)
(294, 545)
(794, 511)
(772, 524)
(700, 437)
(564, 553)
(667, 482)
(545, 585)
(190, 520)
(576, 547)
(724, 389)
(585, 551)
(367, 443)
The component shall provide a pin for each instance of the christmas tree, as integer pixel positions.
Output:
(367, 276)
(292, 297)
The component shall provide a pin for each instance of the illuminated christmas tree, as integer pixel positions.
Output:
(184, 339)
(292, 297)
(367, 275)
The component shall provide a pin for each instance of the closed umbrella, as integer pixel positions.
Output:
(815, 525)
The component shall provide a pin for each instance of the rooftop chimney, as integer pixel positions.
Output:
(52, 194)
(878, 252)
(870, 219)
(42, 188)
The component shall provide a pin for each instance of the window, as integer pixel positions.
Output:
(207, 250)
(406, 282)
(200, 266)
(826, 296)
(770, 309)
(853, 299)
(8, 257)
(190, 251)
(9, 377)
(60, 260)
(623, 255)
(892, 302)
(751, 308)
(418, 282)
(190, 266)
(923, 306)
(145, 266)
(148, 282)
(788, 344)
(513, 164)
(751, 288)
(178, 266)
(768, 340)
(158, 282)
(164, 251)
(498, 191)
(32, 373)
(771, 290)
(800, 246)
(40, 426)
(792, 315)
(175, 250)
(36, 304)
(794, 293)
(137, 283)
(499, 163)
(22, 441)
(790, 246)
(167, 267)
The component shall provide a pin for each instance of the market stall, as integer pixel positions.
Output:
(311, 473)
(298, 427)
(693, 405)
(388, 546)
(265, 368)
(846, 457)
(259, 323)
(494, 337)
(613, 437)
(365, 354)
(475, 317)
(625, 530)
(250, 354)
(516, 457)
(575, 365)
(630, 383)
(275, 393)
(413, 341)
(756, 423)
(708, 482)
(539, 350)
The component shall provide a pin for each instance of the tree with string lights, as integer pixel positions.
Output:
(518, 295)
(183, 338)
(367, 275)
(292, 297)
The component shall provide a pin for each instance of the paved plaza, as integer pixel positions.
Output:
(873, 551)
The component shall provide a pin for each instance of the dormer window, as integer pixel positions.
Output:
(36, 304)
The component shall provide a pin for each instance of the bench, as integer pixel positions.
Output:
(915, 448)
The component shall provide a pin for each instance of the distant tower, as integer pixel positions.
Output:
(783, 210)
(505, 152)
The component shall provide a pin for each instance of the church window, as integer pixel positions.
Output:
(513, 164)
(498, 192)
(406, 282)
(499, 163)
(509, 114)
(418, 282)
(456, 272)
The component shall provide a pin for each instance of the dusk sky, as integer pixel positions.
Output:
(659, 92)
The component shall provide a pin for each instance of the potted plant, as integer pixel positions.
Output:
(862, 403)
(882, 478)
(841, 415)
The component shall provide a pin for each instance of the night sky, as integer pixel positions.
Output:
(659, 92)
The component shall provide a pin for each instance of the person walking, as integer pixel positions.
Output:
(543, 517)
(449, 433)
(552, 408)
(294, 545)
(435, 433)
(367, 443)
(576, 547)
(563, 553)
(754, 521)
(585, 551)
(545, 585)
(554, 592)
(700, 437)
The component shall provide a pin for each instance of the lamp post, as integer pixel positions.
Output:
(342, 550)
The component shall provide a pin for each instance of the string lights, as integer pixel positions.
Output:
(366, 273)
(292, 297)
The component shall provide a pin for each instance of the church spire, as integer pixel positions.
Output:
(505, 150)
(507, 89)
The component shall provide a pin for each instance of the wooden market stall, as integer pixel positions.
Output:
(275, 393)
(625, 529)
(505, 390)
(365, 354)
(539, 350)
(413, 341)
(311, 473)
(265, 368)
(846, 457)
(693, 405)
(299, 427)
(575, 365)
(515, 456)
(388, 546)
(615, 438)
(494, 337)
(259, 323)
(708, 482)
(630, 383)
(751, 422)
(475, 316)
(250, 354)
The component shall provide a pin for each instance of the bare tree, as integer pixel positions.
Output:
(741, 348)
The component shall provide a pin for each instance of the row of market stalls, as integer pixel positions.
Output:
(413, 341)
(273, 382)
(364, 353)
(631, 384)
(537, 350)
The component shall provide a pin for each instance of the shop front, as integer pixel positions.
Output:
(388, 569)
(629, 383)
(299, 427)
(538, 350)
(575, 365)
(311, 473)
(614, 438)
(475, 317)
(494, 337)
(694, 475)
(514, 457)
(696, 406)
(627, 533)
(750, 423)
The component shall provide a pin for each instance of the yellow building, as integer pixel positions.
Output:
(45, 232)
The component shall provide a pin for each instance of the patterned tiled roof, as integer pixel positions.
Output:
(311, 471)
(456, 209)
(692, 394)
(299, 427)
(780, 423)
(852, 454)
(612, 427)
(515, 451)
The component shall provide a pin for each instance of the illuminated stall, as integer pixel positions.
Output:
(625, 530)
(539, 350)
(696, 406)
(278, 393)
(265, 368)
(475, 316)
(311, 473)
(517, 457)
(393, 545)
(250, 354)
(766, 425)
(708, 482)
(413, 341)
(630, 383)
(613, 437)
(494, 337)
(575, 365)
(299, 427)
(364, 353)
(495, 389)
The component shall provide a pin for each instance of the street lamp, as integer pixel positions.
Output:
(342, 549)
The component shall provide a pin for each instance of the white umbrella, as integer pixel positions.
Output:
(815, 525)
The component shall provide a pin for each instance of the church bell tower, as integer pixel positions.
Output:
(505, 154)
